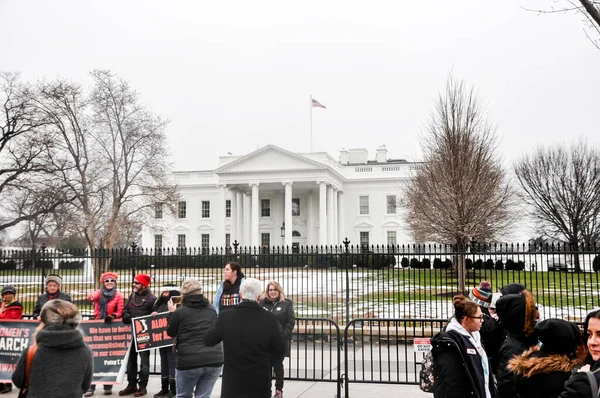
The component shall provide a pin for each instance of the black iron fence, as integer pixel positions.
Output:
(336, 282)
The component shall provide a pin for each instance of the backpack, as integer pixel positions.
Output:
(426, 377)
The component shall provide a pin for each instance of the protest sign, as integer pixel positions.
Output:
(15, 336)
(109, 343)
(150, 332)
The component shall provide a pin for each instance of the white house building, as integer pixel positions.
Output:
(274, 197)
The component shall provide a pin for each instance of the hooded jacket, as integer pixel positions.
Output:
(458, 365)
(284, 313)
(62, 366)
(517, 313)
(578, 385)
(13, 310)
(44, 298)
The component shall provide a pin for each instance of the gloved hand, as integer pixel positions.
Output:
(109, 318)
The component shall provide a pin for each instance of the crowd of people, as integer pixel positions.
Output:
(495, 346)
(244, 335)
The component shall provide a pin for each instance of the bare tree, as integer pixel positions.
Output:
(461, 191)
(562, 185)
(589, 9)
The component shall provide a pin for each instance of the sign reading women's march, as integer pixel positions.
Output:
(150, 332)
(109, 343)
(15, 336)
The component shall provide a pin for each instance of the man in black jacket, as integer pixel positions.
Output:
(140, 303)
(250, 337)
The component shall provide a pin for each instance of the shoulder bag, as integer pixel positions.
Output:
(30, 352)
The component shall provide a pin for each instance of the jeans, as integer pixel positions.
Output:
(202, 379)
(167, 362)
(132, 368)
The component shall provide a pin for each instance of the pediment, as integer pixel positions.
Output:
(391, 224)
(363, 224)
(270, 158)
(204, 227)
(181, 228)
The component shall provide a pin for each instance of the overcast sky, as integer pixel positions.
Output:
(235, 75)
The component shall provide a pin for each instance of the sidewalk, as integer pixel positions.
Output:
(295, 389)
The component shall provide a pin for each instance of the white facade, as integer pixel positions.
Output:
(315, 199)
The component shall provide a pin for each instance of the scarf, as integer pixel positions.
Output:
(105, 297)
(475, 339)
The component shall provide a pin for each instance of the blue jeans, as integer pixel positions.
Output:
(167, 362)
(202, 379)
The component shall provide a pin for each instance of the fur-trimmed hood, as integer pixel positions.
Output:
(518, 313)
(533, 362)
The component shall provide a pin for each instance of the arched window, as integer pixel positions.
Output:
(296, 234)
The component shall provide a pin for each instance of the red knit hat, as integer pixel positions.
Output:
(108, 275)
(144, 279)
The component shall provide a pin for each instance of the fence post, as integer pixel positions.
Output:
(346, 242)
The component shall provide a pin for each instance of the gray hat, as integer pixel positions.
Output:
(54, 278)
(191, 286)
(9, 289)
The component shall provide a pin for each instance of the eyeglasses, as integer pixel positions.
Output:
(273, 290)
(109, 281)
(137, 283)
(476, 317)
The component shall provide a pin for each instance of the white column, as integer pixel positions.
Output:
(254, 236)
(240, 217)
(247, 219)
(334, 216)
(218, 214)
(288, 215)
(310, 220)
(234, 216)
(322, 213)
(340, 211)
(329, 215)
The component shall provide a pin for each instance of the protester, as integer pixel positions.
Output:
(276, 302)
(108, 305)
(63, 364)
(492, 333)
(541, 371)
(460, 364)
(578, 386)
(228, 292)
(53, 284)
(10, 309)
(167, 356)
(250, 337)
(492, 308)
(139, 303)
(518, 315)
(198, 366)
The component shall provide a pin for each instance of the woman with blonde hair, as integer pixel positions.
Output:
(62, 365)
(275, 301)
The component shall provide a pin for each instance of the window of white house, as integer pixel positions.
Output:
(206, 209)
(391, 204)
(228, 208)
(265, 208)
(363, 203)
(391, 238)
(158, 241)
(205, 241)
(295, 206)
(182, 213)
(227, 240)
(181, 240)
(265, 239)
(158, 211)
(364, 238)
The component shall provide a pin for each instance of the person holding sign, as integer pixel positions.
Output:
(198, 366)
(108, 305)
(10, 309)
(169, 293)
(53, 291)
(139, 303)
(63, 364)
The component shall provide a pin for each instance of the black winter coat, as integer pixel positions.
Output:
(43, 299)
(284, 313)
(457, 368)
(188, 324)
(514, 345)
(62, 366)
(492, 336)
(578, 386)
(138, 305)
(250, 337)
(541, 375)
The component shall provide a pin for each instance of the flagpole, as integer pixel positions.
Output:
(311, 140)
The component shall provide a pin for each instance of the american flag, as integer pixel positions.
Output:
(317, 104)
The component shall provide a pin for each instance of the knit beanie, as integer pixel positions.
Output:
(144, 279)
(171, 288)
(191, 286)
(558, 336)
(495, 298)
(108, 275)
(512, 288)
(482, 294)
(9, 289)
(54, 278)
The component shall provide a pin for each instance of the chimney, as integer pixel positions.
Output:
(344, 156)
(381, 156)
